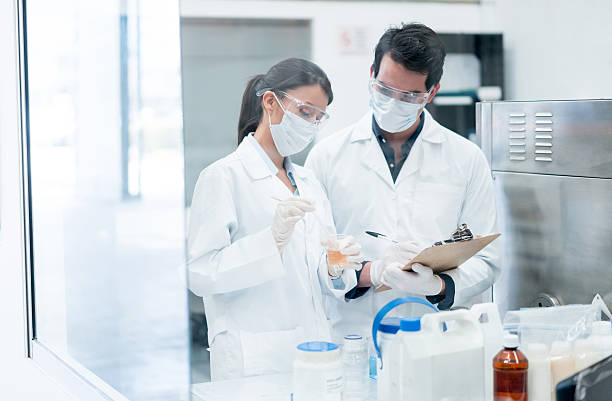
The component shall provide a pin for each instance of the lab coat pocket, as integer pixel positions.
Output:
(269, 352)
(439, 204)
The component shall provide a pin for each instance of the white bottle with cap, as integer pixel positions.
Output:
(539, 377)
(413, 381)
(317, 372)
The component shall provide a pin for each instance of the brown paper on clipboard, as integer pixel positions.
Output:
(448, 256)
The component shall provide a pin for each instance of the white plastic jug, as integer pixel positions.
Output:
(456, 355)
(387, 346)
(487, 315)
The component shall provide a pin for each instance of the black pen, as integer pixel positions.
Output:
(381, 236)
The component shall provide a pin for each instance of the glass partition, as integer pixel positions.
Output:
(107, 191)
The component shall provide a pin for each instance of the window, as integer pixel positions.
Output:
(105, 195)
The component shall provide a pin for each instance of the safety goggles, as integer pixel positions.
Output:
(402, 96)
(306, 111)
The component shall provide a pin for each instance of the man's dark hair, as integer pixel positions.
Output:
(416, 47)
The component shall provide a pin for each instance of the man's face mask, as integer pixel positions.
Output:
(395, 110)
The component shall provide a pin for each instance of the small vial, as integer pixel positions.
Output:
(510, 372)
(356, 368)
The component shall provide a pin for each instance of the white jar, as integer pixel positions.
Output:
(539, 380)
(317, 372)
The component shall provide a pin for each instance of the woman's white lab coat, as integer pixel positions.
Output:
(445, 181)
(258, 305)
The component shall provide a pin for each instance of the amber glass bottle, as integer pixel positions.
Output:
(510, 372)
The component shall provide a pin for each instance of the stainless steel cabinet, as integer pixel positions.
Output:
(552, 168)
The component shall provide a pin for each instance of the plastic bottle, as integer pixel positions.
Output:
(414, 378)
(355, 364)
(562, 363)
(449, 354)
(487, 315)
(385, 335)
(539, 379)
(389, 347)
(510, 372)
(317, 372)
(586, 352)
(601, 337)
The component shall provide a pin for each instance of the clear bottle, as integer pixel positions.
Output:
(356, 368)
(510, 372)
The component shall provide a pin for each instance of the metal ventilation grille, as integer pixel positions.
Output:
(543, 137)
(517, 136)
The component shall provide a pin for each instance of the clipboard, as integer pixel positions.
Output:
(448, 256)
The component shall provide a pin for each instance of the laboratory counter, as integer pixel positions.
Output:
(256, 388)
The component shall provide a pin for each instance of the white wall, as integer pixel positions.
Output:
(557, 49)
(20, 378)
(554, 49)
(361, 23)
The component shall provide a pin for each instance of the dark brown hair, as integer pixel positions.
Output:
(287, 74)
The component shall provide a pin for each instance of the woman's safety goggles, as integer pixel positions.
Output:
(306, 111)
(403, 96)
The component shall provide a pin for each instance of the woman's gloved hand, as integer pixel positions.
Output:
(421, 280)
(402, 253)
(346, 246)
(288, 213)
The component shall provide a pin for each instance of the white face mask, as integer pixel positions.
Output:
(393, 115)
(293, 134)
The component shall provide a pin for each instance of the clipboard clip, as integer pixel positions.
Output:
(462, 233)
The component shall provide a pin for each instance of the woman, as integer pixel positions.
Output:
(255, 230)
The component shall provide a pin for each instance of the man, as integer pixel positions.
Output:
(400, 173)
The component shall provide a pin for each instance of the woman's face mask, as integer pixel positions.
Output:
(293, 134)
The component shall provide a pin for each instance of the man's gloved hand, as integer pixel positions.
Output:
(402, 253)
(421, 280)
(288, 213)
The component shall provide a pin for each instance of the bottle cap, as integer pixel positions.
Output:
(390, 325)
(601, 328)
(354, 342)
(317, 346)
(511, 340)
(410, 324)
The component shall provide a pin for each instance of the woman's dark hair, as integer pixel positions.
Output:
(416, 47)
(287, 74)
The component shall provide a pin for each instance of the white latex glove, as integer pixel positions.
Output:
(401, 253)
(421, 280)
(288, 213)
(349, 247)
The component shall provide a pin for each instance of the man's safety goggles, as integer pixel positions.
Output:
(403, 96)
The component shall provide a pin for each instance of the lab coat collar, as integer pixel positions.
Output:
(432, 131)
(255, 164)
